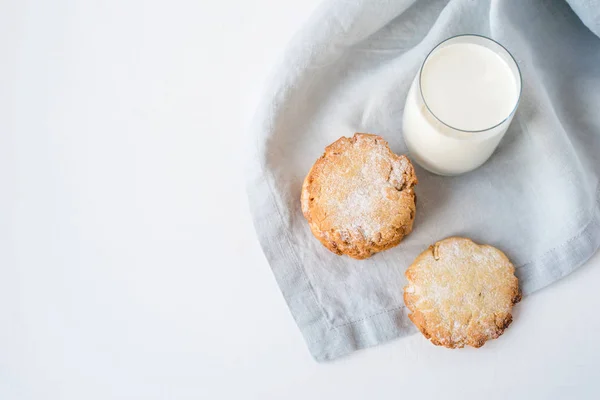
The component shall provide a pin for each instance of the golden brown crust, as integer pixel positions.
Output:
(461, 293)
(358, 197)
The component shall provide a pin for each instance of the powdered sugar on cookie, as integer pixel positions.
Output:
(360, 194)
(461, 293)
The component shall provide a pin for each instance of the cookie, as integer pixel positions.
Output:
(358, 198)
(461, 293)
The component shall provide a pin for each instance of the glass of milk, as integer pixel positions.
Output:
(460, 104)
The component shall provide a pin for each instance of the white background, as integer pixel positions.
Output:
(129, 268)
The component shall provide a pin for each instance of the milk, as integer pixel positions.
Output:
(460, 104)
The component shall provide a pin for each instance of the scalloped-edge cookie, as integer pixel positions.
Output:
(461, 293)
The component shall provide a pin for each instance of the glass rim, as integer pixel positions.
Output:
(510, 114)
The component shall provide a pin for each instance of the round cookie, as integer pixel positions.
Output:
(358, 197)
(461, 293)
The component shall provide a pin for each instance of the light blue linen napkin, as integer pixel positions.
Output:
(348, 70)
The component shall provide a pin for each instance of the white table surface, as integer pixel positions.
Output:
(129, 268)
